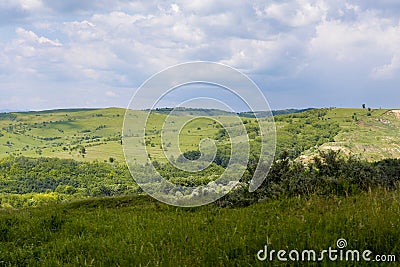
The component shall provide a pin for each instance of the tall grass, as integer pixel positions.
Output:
(139, 231)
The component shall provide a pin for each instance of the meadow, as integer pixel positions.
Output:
(139, 231)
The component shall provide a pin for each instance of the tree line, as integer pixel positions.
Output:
(328, 174)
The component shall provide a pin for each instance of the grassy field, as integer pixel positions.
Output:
(62, 133)
(139, 231)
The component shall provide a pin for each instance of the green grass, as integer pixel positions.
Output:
(139, 231)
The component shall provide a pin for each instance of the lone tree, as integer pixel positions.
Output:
(363, 106)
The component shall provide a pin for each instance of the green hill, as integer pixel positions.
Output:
(95, 134)
(63, 134)
(373, 135)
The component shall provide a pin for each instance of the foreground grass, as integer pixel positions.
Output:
(139, 231)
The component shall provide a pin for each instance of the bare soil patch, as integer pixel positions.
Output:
(395, 113)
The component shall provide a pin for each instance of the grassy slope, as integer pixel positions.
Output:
(137, 231)
(59, 133)
(372, 137)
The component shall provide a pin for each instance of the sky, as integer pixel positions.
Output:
(300, 53)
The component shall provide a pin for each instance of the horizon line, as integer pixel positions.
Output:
(188, 108)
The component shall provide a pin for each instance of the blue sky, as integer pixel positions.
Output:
(301, 53)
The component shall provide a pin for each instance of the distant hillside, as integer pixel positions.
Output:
(373, 134)
(80, 134)
(10, 110)
(95, 134)
(182, 111)
(262, 114)
(70, 110)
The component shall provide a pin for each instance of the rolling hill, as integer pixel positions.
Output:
(95, 134)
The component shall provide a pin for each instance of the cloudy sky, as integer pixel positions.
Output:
(301, 53)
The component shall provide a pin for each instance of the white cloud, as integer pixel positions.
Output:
(276, 55)
(366, 43)
(175, 8)
(296, 13)
(31, 37)
(113, 45)
(388, 70)
(30, 5)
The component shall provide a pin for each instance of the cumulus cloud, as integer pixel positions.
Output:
(31, 38)
(108, 48)
(296, 13)
(366, 43)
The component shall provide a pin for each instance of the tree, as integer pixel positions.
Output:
(190, 155)
(363, 106)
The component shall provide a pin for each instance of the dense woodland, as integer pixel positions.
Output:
(330, 174)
